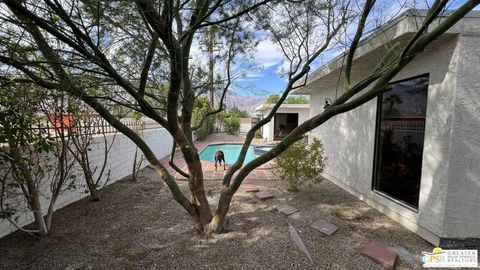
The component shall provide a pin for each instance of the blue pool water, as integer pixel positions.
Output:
(231, 152)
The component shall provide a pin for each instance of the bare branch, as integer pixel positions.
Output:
(356, 39)
(172, 164)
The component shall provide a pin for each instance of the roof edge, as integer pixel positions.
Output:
(408, 13)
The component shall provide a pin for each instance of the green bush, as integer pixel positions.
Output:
(236, 112)
(232, 125)
(301, 164)
(202, 107)
(258, 134)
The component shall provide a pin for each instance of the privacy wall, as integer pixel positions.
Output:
(120, 163)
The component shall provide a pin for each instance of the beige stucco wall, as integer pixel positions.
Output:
(462, 211)
(349, 142)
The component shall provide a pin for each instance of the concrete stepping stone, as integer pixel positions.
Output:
(263, 195)
(324, 227)
(286, 209)
(379, 253)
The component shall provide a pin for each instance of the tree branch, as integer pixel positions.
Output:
(356, 39)
(338, 108)
(172, 164)
(147, 64)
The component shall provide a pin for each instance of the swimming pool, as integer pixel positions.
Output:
(231, 152)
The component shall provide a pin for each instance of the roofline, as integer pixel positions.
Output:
(269, 106)
(408, 13)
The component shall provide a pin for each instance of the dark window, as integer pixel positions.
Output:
(399, 141)
(284, 123)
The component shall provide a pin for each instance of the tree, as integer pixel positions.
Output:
(222, 117)
(232, 125)
(200, 109)
(137, 162)
(31, 157)
(236, 112)
(272, 99)
(85, 127)
(77, 45)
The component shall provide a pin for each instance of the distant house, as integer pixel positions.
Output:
(287, 117)
(413, 153)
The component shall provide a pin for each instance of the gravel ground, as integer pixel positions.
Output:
(139, 226)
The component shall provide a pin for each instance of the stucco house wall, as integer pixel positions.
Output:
(450, 185)
(463, 191)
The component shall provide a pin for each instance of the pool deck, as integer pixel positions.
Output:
(261, 173)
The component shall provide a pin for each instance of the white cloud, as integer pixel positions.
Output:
(267, 54)
(253, 75)
(268, 64)
(250, 75)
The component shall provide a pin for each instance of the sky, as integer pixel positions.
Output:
(264, 78)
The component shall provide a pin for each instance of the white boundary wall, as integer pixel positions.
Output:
(120, 162)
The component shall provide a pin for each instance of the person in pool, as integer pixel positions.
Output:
(220, 157)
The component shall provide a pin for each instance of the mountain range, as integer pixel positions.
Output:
(245, 103)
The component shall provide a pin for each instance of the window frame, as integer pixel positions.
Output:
(376, 153)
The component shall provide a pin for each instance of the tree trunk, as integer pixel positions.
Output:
(93, 189)
(90, 183)
(134, 169)
(49, 216)
(36, 208)
(38, 215)
(195, 183)
(31, 193)
(200, 201)
(219, 222)
(33, 196)
(83, 161)
(136, 166)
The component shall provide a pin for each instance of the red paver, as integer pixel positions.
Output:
(287, 209)
(263, 195)
(379, 253)
(324, 227)
(249, 188)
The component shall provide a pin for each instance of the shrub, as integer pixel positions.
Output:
(301, 164)
(258, 134)
(232, 125)
(200, 109)
(239, 113)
